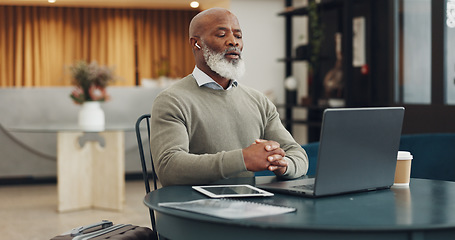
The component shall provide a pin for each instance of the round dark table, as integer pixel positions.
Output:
(425, 210)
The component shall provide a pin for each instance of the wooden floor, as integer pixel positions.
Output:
(30, 212)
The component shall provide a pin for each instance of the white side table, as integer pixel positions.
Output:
(90, 175)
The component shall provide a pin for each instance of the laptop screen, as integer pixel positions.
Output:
(358, 148)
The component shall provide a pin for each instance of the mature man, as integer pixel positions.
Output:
(208, 127)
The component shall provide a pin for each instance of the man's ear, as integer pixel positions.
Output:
(193, 42)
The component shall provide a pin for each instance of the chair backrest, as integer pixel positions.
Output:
(311, 150)
(145, 173)
(433, 155)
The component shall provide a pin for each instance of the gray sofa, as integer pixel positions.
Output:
(33, 154)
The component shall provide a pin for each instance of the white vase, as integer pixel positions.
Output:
(91, 117)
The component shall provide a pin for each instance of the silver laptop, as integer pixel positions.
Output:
(357, 152)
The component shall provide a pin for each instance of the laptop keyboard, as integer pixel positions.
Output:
(304, 187)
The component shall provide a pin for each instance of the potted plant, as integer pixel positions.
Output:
(90, 82)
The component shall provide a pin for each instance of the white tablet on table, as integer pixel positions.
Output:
(224, 191)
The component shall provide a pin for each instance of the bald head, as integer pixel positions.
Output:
(204, 20)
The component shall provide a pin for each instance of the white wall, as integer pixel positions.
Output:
(263, 38)
(215, 3)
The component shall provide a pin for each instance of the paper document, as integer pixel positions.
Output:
(227, 208)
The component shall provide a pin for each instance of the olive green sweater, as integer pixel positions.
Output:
(197, 133)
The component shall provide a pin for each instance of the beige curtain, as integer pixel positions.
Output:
(163, 43)
(37, 44)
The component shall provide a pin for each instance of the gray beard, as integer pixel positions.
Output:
(225, 68)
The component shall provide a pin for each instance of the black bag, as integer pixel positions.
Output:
(107, 230)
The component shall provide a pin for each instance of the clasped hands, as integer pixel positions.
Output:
(265, 155)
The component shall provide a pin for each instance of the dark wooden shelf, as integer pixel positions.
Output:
(291, 11)
(296, 11)
(343, 9)
(293, 59)
(296, 59)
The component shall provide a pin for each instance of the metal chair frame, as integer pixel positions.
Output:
(145, 174)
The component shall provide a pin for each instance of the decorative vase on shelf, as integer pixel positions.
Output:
(333, 81)
(91, 117)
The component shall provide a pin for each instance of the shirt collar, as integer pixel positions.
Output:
(204, 80)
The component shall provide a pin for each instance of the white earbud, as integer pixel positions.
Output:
(197, 45)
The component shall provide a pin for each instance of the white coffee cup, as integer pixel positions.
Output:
(403, 169)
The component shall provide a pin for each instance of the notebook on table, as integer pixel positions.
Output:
(357, 152)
